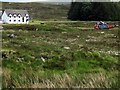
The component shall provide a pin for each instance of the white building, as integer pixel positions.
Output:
(15, 16)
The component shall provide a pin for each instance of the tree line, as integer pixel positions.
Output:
(94, 11)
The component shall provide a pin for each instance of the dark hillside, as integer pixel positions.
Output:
(42, 11)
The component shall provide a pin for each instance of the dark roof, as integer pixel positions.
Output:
(0, 13)
(12, 11)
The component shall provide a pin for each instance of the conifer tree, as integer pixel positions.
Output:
(94, 11)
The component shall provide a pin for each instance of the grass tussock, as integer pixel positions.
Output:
(32, 79)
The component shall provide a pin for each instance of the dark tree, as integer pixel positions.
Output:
(79, 11)
(94, 11)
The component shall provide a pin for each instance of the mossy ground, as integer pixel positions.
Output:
(56, 55)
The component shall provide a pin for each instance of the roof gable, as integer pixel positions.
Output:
(17, 12)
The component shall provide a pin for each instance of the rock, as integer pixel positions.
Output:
(20, 29)
(42, 23)
(36, 29)
(67, 48)
(64, 32)
(78, 36)
(12, 36)
(102, 32)
(42, 59)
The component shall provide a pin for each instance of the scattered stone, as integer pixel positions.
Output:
(88, 40)
(42, 59)
(33, 36)
(12, 36)
(78, 36)
(116, 25)
(36, 29)
(64, 32)
(42, 23)
(67, 48)
(102, 32)
(33, 41)
(20, 30)
(80, 45)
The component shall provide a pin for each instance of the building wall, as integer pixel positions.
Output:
(14, 20)
(4, 18)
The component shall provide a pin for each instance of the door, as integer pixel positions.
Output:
(22, 19)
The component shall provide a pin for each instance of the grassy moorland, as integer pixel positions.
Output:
(41, 11)
(58, 55)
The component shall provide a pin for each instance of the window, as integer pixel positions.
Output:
(10, 15)
(26, 14)
(19, 16)
(10, 20)
(14, 15)
(14, 20)
(19, 20)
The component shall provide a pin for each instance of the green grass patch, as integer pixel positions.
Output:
(59, 55)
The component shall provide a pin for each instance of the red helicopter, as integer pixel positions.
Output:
(102, 25)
